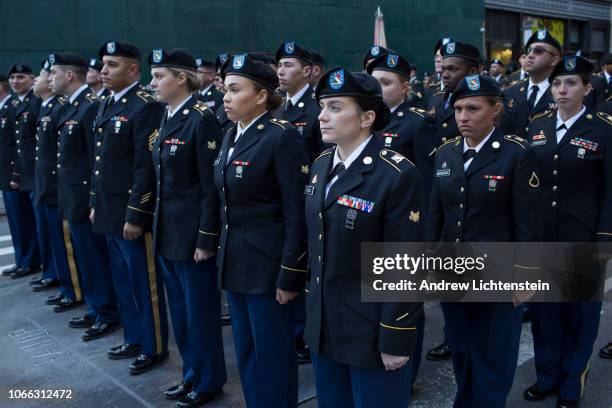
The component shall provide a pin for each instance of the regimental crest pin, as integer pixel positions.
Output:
(238, 61)
(392, 60)
(473, 82)
(570, 63)
(290, 47)
(336, 79)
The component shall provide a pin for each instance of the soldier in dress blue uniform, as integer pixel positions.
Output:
(496, 71)
(75, 159)
(374, 52)
(260, 175)
(186, 225)
(574, 152)
(94, 78)
(531, 95)
(300, 109)
(22, 178)
(220, 114)
(122, 205)
(208, 92)
(465, 206)
(45, 187)
(433, 83)
(318, 68)
(520, 73)
(358, 192)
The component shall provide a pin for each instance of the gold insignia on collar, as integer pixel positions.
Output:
(534, 181)
(305, 169)
(212, 145)
(415, 216)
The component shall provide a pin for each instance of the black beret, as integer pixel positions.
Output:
(258, 71)
(220, 60)
(543, 36)
(572, 65)
(475, 85)
(202, 63)
(96, 64)
(375, 51)
(3, 78)
(67, 58)
(341, 82)
(172, 58)
(413, 66)
(119, 49)
(44, 64)
(20, 69)
(461, 50)
(317, 58)
(498, 62)
(263, 56)
(442, 42)
(606, 60)
(392, 63)
(291, 49)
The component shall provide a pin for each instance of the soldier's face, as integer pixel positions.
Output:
(541, 57)
(475, 116)
(569, 91)
(241, 99)
(438, 62)
(341, 119)
(165, 84)
(292, 75)
(608, 68)
(496, 69)
(454, 69)
(393, 87)
(21, 83)
(58, 79)
(93, 77)
(42, 85)
(206, 76)
(317, 73)
(118, 72)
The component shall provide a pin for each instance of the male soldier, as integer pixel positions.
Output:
(208, 94)
(300, 108)
(18, 211)
(434, 83)
(94, 78)
(21, 79)
(122, 205)
(531, 96)
(56, 271)
(519, 74)
(318, 68)
(496, 71)
(220, 111)
(374, 52)
(75, 161)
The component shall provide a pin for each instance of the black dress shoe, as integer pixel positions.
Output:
(66, 304)
(99, 330)
(194, 399)
(535, 393)
(44, 284)
(23, 272)
(9, 271)
(226, 320)
(55, 299)
(606, 351)
(124, 351)
(303, 355)
(567, 403)
(177, 392)
(439, 353)
(145, 363)
(81, 322)
(36, 279)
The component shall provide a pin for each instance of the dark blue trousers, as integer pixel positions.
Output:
(343, 386)
(42, 234)
(485, 340)
(418, 352)
(193, 296)
(140, 293)
(563, 339)
(265, 349)
(22, 224)
(54, 235)
(91, 256)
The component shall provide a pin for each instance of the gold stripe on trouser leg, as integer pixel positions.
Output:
(153, 288)
(74, 275)
(583, 377)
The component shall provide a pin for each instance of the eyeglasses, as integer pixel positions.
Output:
(538, 51)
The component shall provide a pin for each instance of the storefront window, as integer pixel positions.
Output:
(531, 24)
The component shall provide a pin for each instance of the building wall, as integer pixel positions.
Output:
(341, 29)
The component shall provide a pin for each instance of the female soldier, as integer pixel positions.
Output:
(484, 190)
(574, 152)
(186, 223)
(260, 175)
(359, 192)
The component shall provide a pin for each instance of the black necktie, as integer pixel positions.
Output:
(469, 154)
(288, 105)
(562, 127)
(532, 98)
(337, 171)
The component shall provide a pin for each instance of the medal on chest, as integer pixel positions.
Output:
(240, 166)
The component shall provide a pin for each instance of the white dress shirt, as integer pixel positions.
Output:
(477, 148)
(568, 123)
(349, 160)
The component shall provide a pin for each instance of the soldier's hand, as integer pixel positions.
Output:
(521, 296)
(393, 362)
(202, 255)
(283, 297)
(131, 231)
(14, 186)
(91, 215)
